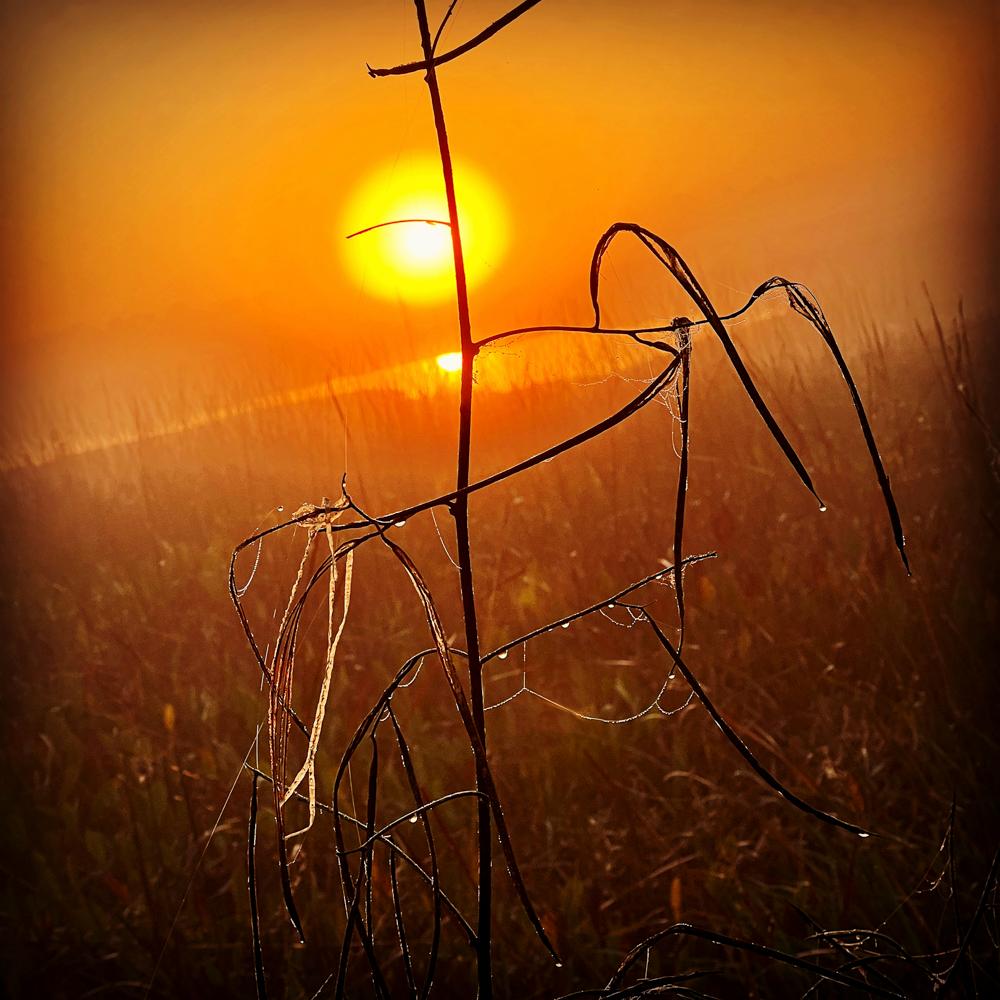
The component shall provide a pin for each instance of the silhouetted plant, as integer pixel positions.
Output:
(342, 527)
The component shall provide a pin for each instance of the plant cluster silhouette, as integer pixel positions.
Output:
(335, 531)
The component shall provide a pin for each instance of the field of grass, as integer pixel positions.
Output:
(131, 699)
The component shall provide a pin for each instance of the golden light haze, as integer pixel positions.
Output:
(177, 173)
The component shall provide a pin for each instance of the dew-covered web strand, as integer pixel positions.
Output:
(444, 544)
(241, 591)
(636, 613)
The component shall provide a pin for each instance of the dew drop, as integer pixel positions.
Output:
(565, 625)
(864, 836)
(281, 507)
(399, 524)
(502, 656)
(822, 508)
(558, 965)
(413, 819)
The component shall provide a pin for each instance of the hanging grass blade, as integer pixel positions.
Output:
(308, 769)
(483, 768)
(762, 772)
(355, 919)
(397, 910)
(391, 845)
(811, 311)
(258, 955)
(684, 277)
(425, 820)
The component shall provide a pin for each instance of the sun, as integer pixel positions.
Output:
(413, 261)
(451, 362)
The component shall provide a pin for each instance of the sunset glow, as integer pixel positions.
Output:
(412, 261)
(351, 424)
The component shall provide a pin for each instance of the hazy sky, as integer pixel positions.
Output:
(176, 173)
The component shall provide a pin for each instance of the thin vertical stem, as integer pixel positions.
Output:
(460, 510)
(684, 409)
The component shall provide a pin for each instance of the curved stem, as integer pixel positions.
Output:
(395, 222)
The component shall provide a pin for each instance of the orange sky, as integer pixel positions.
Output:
(176, 172)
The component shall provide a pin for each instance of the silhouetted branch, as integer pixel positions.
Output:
(432, 61)
(443, 24)
(597, 606)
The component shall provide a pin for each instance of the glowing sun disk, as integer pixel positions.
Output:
(423, 244)
(413, 260)
(451, 362)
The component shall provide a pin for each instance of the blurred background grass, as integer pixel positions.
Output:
(131, 700)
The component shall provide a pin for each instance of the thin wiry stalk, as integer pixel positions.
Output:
(355, 918)
(443, 24)
(425, 820)
(258, 955)
(368, 860)
(352, 890)
(637, 989)
(988, 887)
(689, 930)
(612, 331)
(397, 911)
(430, 61)
(460, 511)
(413, 814)
(682, 483)
(394, 848)
(841, 949)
